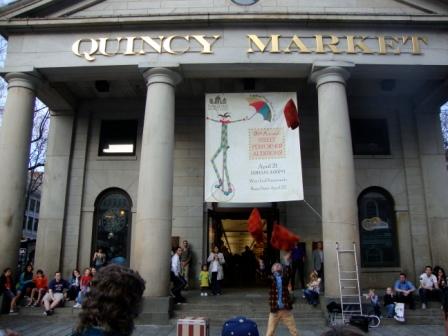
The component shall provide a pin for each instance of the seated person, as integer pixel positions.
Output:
(55, 293)
(25, 282)
(7, 288)
(404, 289)
(313, 289)
(389, 302)
(40, 288)
(374, 302)
(428, 286)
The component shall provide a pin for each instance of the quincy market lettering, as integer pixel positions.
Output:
(90, 48)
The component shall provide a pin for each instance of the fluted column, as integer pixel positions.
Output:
(15, 138)
(339, 208)
(152, 235)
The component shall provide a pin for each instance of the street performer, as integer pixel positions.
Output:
(280, 302)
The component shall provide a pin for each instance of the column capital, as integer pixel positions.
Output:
(330, 72)
(24, 80)
(162, 75)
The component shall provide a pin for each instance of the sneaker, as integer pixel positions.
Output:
(48, 313)
(399, 319)
(205, 294)
(423, 305)
(202, 294)
(13, 312)
(78, 305)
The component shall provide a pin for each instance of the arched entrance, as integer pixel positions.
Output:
(112, 225)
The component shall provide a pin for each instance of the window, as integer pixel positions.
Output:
(370, 137)
(24, 223)
(36, 224)
(32, 205)
(38, 207)
(29, 226)
(112, 225)
(118, 137)
(377, 229)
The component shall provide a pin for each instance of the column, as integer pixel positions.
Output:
(339, 208)
(151, 241)
(54, 193)
(15, 137)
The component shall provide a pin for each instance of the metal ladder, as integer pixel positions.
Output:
(348, 283)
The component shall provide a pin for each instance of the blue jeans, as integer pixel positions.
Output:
(390, 308)
(311, 296)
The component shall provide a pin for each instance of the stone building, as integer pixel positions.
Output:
(126, 80)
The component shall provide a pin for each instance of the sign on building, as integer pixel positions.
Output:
(250, 153)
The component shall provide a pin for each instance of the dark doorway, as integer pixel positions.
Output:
(245, 258)
(112, 225)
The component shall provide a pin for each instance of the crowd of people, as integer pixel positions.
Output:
(36, 290)
(86, 290)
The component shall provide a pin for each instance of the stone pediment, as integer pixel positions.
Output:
(52, 9)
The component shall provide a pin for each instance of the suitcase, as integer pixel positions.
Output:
(239, 326)
(192, 326)
(360, 321)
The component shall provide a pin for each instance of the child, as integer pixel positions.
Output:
(203, 280)
(311, 293)
(374, 302)
(41, 284)
(389, 302)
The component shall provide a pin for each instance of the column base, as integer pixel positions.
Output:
(156, 310)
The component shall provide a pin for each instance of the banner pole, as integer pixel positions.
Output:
(312, 209)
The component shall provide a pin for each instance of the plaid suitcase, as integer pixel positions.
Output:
(192, 326)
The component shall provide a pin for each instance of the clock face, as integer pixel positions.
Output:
(245, 2)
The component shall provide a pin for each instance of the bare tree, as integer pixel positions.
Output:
(38, 145)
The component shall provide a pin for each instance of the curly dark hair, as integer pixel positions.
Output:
(113, 302)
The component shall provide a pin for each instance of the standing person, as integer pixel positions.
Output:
(318, 260)
(445, 307)
(216, 260)
(112, 304)
(41, 286)
(176, 277)
(313, 289)
(404, 289)
(204, 280)
(73, 290)
(99, 259)
(7, 288)
(298, 257)
(280, 302)
(428, 286)
(55, 293)
(84, 285)
(25, 282)
(185, 261)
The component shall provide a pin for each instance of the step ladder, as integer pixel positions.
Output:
(349, 290)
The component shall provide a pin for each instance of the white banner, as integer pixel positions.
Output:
(250, 153)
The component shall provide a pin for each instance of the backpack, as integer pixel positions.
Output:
(239, 326)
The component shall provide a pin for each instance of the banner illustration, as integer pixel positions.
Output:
(251, 154)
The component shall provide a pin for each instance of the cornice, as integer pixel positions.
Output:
(428, 21)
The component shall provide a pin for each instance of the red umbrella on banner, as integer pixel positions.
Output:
(255, 225)
(282, 238)
(291, 114)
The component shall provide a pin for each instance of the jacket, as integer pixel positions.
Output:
(273, 294)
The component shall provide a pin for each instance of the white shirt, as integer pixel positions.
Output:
(175, 264)
(428, 281)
